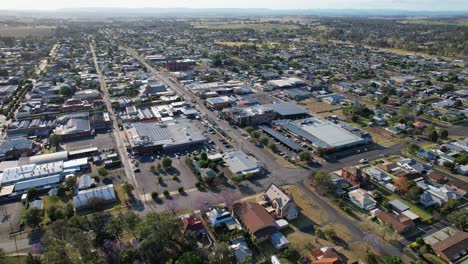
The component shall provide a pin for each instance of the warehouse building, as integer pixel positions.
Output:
(168, 136)
(241, 163)
(326, 134)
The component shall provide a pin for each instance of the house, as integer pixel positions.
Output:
(414, 166)
(241, 248)
(398, 206)
(279, 241)
(255, 220)
(218, 217)
(437, 177)
(400, 223)
(85, 182)
(326, 255)
(353, 175)
(460, 187)
(453, 248)
(388, 166)
(463, 170)
(438, 195)
(427, 155)
(362, 199)
(281, 202)
(378, 175)
(192, 223)
(419, 124)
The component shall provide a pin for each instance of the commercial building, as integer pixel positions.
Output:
(241, 163)
(167, 136)
(104, 193)
(73, 126)
(326, 134)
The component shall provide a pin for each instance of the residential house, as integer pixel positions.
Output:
(255, 220)
(400, 223)
(281, 202)
(437, 177)
(414, 166)
(453, 248)
(279, 241)
(192, 223)
(219, 217)
(362, 199)
(438, 195)
(326, 255)
(354, 176)
(388, 166)
(241, 249)
(378, 175)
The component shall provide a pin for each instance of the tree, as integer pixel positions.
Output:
(305, 156)
(414, 193)
(458, 219)
(320, 151)
(189, 257)
(33, 217)
(402, 184)
(263, 140)
(393, 260)
(450, 205)
(271, 146)
(413, 148)
(462, 159)
(32, 193)
(249, 129)
(3, 258)
(70, 183)
(158, 166)
(115, 227)
(30, 259)
(153, 168)
(55, 140)
(444, 134)
(255, 134)
(66, 90)
(204, 156)
(433, 136)
(221, 253)
(370, 258)
(322, 182)
(166, 162)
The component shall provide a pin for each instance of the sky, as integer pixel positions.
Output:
(432, 5)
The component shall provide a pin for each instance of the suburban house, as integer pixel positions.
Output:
(326, 255)
(353, 175)
(218, 217)
(438, 195)
(192, 223)
(378, 175)
(388, 166)
(414, 166)
(453, 248)
(255, 220)
(400, 223)
(241, 248)
(281, 202)
(362, 199)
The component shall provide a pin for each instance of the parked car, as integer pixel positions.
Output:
(362, 161)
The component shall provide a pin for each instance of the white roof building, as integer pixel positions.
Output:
(105, 193)
(239, 162)
(362, 199)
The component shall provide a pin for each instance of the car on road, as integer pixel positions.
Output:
(383, 155)
(362, 161)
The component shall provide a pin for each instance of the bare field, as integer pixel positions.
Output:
(37, 31)
(319, 107)
(255, 26)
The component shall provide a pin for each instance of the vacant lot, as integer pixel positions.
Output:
(319, 107)
(255, 26)
(25, 31)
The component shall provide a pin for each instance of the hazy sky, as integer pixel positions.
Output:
(273, 4)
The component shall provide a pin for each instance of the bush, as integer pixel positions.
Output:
(175, 177)
(180, 189)
(160, 180)
(102, 171)
(154, 195)
(236, 178)
(198, 184)
(166, 193)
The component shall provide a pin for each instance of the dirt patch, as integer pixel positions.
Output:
(320, 107)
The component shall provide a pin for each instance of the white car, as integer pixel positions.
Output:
(363, 161)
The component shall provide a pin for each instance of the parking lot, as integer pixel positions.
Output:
(11, 212)
(186, 178)
(101, 141)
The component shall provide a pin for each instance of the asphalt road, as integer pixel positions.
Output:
(118, 135)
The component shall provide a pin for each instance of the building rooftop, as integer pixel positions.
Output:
(239, 162)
